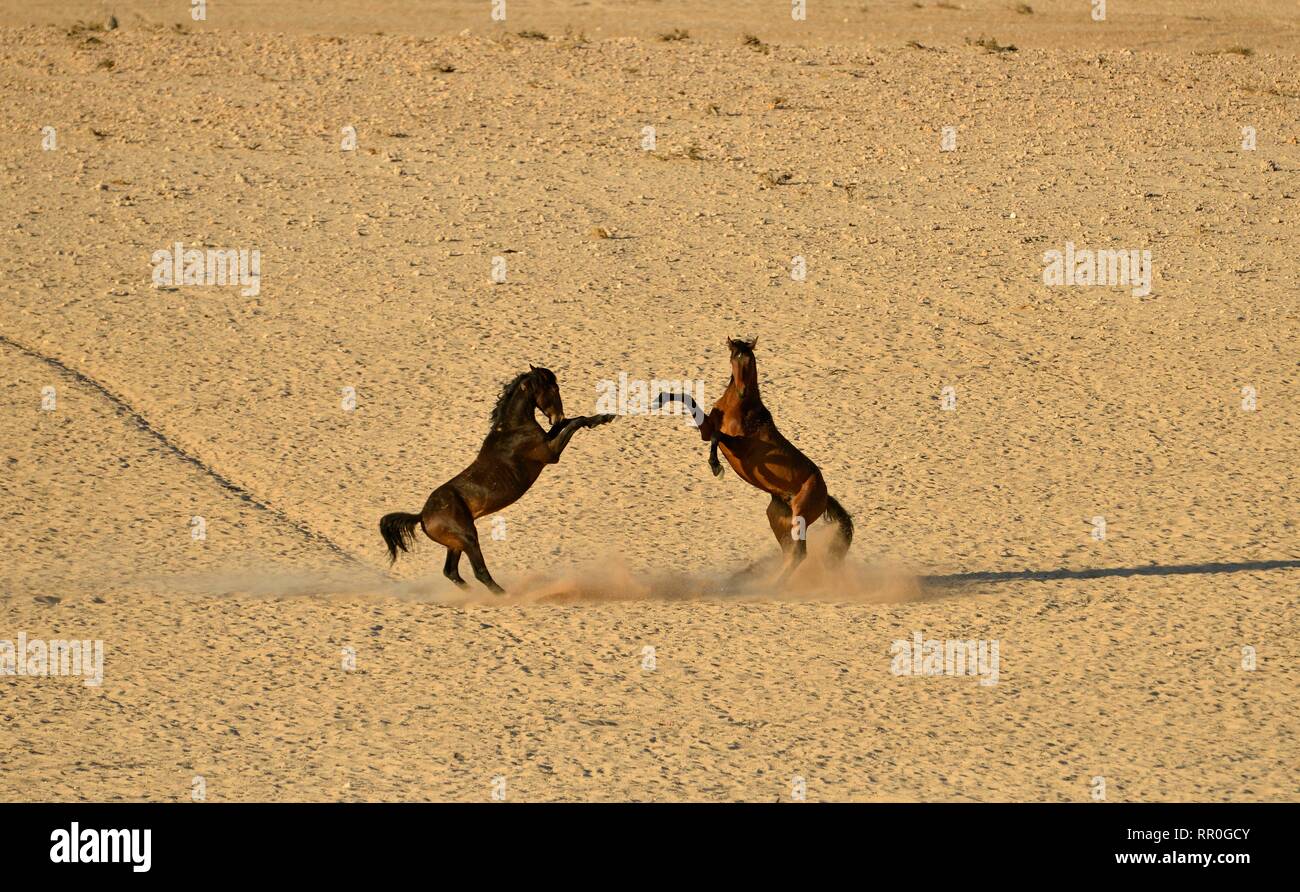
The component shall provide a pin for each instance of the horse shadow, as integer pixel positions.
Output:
(956, 580)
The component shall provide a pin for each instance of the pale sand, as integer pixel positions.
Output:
(223, 656)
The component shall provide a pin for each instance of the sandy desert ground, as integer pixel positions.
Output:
(525, 140)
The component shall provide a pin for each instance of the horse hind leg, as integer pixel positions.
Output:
(808, 504)
(781, 517)
(481, 573)
(452, 525)
(778, 518)
(451, 569)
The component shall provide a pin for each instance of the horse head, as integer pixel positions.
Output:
(545, 391)
(744, 371)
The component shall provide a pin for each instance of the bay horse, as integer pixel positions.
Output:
(512, 456)
(742, 427)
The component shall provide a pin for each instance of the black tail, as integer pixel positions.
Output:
(835, 512)
(398, 530)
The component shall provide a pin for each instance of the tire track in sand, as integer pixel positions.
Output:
(124, 408)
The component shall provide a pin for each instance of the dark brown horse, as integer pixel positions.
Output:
(742, 427)
(510, 459)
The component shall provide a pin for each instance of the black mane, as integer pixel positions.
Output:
(507, 391)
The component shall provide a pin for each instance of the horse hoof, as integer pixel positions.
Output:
(716, 469)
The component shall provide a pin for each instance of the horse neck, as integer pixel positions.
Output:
(519, 410)
(751, 396)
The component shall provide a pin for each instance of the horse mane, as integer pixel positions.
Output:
(507, 391)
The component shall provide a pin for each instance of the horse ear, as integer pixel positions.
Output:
(531, 367)
(753, 343)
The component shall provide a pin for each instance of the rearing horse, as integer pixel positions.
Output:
(509, 461)
(742, 427)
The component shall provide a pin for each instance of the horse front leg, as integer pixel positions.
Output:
(707, 425)
(557, 438)
(732, 443)
(692, 408)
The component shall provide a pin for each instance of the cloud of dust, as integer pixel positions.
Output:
(603, 582)
(613, 580)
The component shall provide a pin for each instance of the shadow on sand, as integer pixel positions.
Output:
(958, 579)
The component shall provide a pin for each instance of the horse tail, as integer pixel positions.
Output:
(844, 535)
(398, 530)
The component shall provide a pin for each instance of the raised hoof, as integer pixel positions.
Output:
(716, 468)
